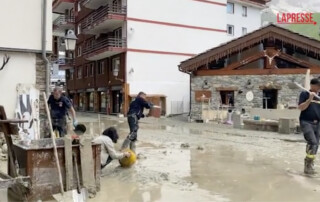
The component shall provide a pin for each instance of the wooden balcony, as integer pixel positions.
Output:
(104, 48)
(106, 18)
(59, 6)
(63, 22)
(66, 63)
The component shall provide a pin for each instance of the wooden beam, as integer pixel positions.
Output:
(295, 60)
(231, 88)
(245, 61)
(255, 72)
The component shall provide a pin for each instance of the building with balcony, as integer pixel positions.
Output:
(124, 47)
(62, 59)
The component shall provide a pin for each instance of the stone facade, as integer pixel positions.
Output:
(285, 94)
(41, 85)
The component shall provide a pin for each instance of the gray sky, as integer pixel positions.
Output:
(296, 5)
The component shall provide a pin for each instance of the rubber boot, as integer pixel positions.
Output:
(133, 146)
(125, 144)
(309, 166)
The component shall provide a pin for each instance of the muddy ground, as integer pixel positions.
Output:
(181, 161)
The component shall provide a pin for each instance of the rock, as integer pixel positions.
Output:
(200, 148)
(165, 152)
(185, 145)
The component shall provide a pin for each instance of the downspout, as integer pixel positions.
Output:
(190, 74)
(44, 42)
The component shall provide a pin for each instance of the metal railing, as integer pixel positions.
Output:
(102, 13)
(109, 42)
(62, 19)
(66, 61)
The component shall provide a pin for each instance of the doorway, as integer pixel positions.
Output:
(270, 98)
(116, 101)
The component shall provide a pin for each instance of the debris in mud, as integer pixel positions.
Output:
(200, 148)
(185, 145)
(4, 148)
(165, 176)
(141, 156)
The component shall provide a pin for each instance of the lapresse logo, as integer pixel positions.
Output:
(295, 18)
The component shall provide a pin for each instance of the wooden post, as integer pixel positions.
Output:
(68, 161)
(126, 91)
(87, 165)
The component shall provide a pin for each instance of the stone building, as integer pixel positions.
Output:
(265, 63)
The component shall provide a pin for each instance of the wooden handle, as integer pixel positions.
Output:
(302, 88)
(53, 137)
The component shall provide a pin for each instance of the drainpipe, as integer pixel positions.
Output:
(190, 74)
(44, 42)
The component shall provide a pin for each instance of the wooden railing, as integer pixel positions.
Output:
(101, 13)
(62, 19)
(109, 42)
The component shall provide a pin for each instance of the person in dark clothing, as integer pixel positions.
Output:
(134, 114)
(59, 107)
(309, 123)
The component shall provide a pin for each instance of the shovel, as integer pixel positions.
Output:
(63, 196)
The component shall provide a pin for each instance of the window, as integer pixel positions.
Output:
(79, 72)
(244, 31)
(79, 51)
(86, 71)
(230, 30)
(91, 70)
(244, 11)
(101, 68)
(79, 29)
(115, 66)
(70, 72)
(79, 6)
(227, 98)
(230, 8)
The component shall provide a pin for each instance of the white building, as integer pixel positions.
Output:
(243, 16)
(152, 38)
(21, 40)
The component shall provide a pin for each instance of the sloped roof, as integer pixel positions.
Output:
(249, 40)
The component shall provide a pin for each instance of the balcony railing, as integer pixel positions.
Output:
(109, 42)
(62, 20)
(66, 61)
(101, 13)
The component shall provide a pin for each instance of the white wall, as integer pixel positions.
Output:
(21, 68)
(251, 22)
(20, 22)
(158, 73)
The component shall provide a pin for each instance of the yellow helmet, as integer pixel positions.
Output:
(127, 162)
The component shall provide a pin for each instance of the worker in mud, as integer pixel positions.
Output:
(78, 131)
(59, 107)
(107, 140)
(134, 114)
(309, 123)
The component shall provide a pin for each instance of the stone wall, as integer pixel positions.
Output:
(41, 85)
(285, 94)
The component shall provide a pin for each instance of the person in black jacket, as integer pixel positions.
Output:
(310, 123)
(134, 114)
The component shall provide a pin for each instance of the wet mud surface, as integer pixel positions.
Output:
(180, 161)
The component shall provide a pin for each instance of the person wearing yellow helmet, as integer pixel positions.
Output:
(107, 140)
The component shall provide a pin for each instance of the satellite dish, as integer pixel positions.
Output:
(249, 96)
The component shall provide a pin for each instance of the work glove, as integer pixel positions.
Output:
(75, 123)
